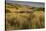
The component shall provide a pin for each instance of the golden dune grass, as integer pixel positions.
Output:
(25, 18)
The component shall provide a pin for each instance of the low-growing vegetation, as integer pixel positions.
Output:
(24, 17)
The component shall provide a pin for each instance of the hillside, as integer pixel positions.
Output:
(24, 17)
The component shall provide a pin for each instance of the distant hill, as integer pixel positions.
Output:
(23, 8)
(17, 7)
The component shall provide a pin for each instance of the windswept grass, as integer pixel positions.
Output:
(27, 17)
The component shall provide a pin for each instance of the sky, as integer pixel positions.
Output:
(28, 0)
(33, 4)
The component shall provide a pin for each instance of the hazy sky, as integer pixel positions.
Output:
(28, 0)
(34, 4)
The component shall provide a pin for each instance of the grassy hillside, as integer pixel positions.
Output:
(24, 17)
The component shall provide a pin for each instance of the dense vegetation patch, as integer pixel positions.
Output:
(27, 17)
